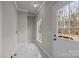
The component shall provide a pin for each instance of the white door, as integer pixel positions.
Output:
(66, 41)
(22, 27)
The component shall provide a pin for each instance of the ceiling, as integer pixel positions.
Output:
(27, 6)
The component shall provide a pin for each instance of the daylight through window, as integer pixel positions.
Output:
(68, 21)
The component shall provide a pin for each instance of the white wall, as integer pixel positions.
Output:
(9, 26)
(31, 28)
(0, 29)
(22, 27)
(46, 15)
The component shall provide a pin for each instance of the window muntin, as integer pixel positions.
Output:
(68, 21)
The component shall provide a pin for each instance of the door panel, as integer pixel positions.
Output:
(66, 48)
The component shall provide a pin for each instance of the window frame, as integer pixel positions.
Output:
(58, 8)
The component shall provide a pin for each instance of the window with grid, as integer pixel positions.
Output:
(68, 21)
(39, 30)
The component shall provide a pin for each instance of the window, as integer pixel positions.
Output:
(68, 21)
(39, 31)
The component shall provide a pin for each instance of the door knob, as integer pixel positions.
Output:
(55, 35)
(54, 39)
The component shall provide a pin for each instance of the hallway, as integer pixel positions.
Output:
(39, 29)
(27, 50)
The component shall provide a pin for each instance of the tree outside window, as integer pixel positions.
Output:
(68, 21)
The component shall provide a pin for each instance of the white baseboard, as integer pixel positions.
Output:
(49, 56)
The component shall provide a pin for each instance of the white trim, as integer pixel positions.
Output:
(61, 4)
(30, 15)
(41, 6)
(26, 11)
(37, 43)
(18, 9)
(15, 4)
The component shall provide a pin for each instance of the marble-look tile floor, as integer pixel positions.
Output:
(27, 50)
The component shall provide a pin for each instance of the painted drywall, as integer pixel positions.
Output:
(31, 28)
(45, 14)
(9, 26)
(22, 27)
(0, 29)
